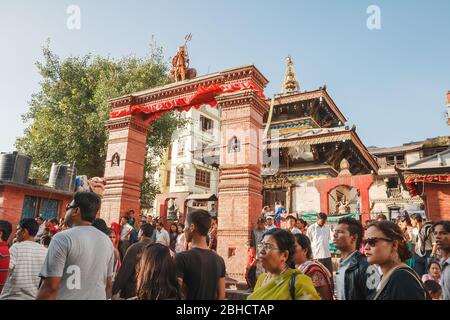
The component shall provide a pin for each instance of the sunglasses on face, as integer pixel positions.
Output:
(373, 241)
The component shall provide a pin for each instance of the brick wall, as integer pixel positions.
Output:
(12, 198)
(437, 201)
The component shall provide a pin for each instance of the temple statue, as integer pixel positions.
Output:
(172, 210)
(180, 63)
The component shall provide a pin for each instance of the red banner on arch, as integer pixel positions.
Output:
(205, 95)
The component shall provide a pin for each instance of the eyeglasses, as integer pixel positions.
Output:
(373, 241)
(266, 247)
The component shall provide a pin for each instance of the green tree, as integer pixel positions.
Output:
(67, 116)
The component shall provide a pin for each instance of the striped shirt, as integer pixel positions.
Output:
(26, 260)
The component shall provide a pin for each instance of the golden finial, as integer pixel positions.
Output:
(290, 83)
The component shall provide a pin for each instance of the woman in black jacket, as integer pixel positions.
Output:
(386, 247)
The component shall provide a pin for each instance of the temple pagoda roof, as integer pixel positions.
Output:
(320, 136)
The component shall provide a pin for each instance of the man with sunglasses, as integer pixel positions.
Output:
(355, 279)
(80, 261)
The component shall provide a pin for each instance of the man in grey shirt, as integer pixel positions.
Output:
(441, 232)
(80, 261)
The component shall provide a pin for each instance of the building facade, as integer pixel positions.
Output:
(185, 171)
(387, 194)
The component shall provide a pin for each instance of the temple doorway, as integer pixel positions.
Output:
(273, 195)
(344, 199)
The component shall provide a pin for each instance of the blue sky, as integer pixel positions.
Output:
(391, 83)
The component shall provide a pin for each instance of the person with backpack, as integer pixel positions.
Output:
(282, 281)
(423, 243)
(386, 247)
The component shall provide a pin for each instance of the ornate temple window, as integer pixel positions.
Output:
(115, 160)
(234, 145)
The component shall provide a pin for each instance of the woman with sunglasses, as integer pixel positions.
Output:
(282, 281)
(386, 247)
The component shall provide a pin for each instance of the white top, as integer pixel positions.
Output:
(320, 240)
(180, 246)
(26, 260)
(163, 237)
(271, 227)
(40, 231)
(295, 230)
(126, 229)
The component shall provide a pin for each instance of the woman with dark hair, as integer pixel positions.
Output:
(156, 274)
(302, 225)
(282, 281)
(434, 272)
(386, 247)
(404, 223)
(173, 235)
(100, 224)
(318, 273)
(112, 236)
(181, 239)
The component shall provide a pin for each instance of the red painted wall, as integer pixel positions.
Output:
(360, 182)
(12, 197)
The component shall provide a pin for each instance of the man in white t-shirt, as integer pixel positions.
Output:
(162, 236)
(125, 233)
(26, 260)
(80, 260)
(320, 235)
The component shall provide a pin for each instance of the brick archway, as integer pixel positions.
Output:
(360, 182)
(239, 93)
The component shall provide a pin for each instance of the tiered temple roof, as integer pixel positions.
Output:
(309, 131)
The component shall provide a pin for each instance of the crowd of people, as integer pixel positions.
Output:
(81, 258)
(405, 259)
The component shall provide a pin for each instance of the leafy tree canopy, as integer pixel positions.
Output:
(67, 116)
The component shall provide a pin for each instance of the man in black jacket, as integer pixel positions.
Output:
(124, 285)
(355, 279)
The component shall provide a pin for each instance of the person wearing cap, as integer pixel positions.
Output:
(270, 223)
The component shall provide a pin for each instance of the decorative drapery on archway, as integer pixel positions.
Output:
(204, 95)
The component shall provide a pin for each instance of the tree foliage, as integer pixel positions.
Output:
(67, 116)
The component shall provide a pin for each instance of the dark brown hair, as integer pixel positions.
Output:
(393, 232)
(156, 274)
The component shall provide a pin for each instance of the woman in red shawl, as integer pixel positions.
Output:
(318, 273)
(116, 228)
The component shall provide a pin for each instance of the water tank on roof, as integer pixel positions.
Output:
(14, 167)
(62, 177)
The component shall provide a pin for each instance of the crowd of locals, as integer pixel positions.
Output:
(80, 257)
(405, 259)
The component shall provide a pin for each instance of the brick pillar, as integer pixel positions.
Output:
(240, 185)
(128, 140)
